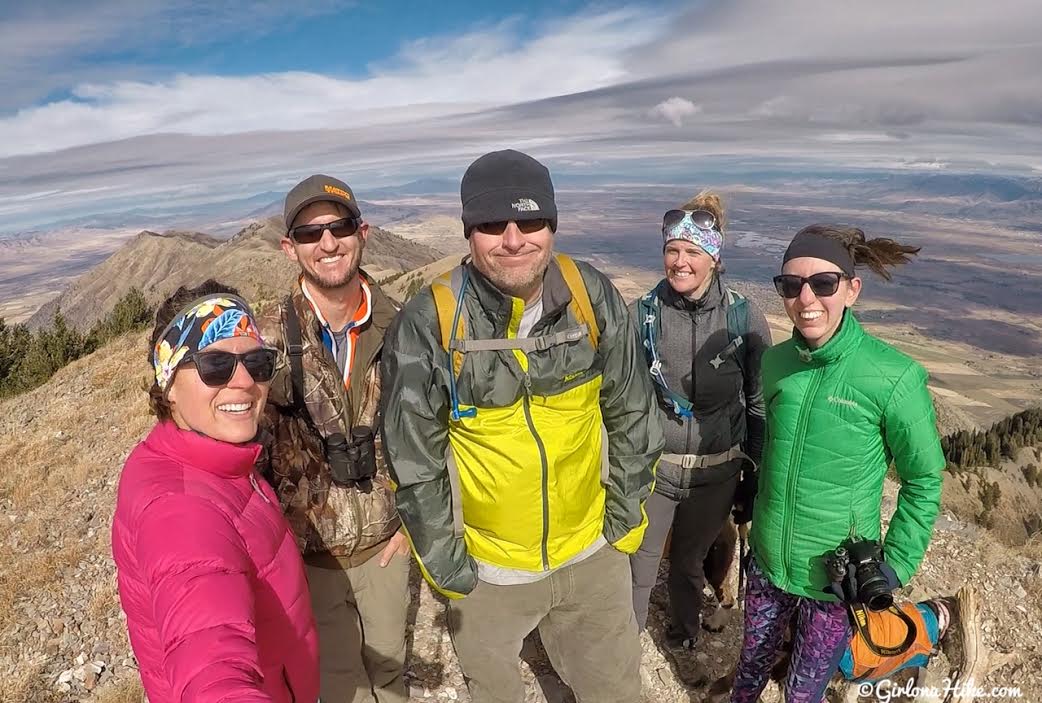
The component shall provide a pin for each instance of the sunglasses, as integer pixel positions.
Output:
(309, 234)
(526, 226)
(216, 368)
(703, 219)
(821, 284)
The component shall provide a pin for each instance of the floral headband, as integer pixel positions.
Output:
(202, 323)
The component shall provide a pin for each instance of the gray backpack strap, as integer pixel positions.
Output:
(525, 344)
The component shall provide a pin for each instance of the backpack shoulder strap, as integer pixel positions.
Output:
(446, 289)
(737, 314)
(581, 306)
(738, 324)
(295, 349)
(649, 308)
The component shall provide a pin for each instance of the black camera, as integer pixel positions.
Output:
(351, 462)
(856, 567)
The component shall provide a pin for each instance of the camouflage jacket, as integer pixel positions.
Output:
(347, 523)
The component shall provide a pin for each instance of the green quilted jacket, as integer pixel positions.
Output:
(836, 418)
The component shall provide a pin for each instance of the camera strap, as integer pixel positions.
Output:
(860, 616)
(295, 348)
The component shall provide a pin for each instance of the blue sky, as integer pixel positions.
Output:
(105, 101)
(334, 38)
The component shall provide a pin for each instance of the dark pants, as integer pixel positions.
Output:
(696, 519)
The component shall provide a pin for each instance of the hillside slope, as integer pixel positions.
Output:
(63, 444)
(250, 261)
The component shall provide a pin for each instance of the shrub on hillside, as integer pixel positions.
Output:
(990, 494)
(28, 359)
(130, 313)
(1000, 442)
(1031, 475)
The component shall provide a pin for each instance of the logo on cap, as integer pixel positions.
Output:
(525, 205)
(333, 190)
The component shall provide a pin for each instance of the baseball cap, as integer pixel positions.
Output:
(317, 188)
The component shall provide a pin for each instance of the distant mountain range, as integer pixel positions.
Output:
(251, 261)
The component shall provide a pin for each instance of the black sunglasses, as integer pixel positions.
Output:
(821, 284)
(703, 219)
(216, 368)
(526, 226)
(309, 234)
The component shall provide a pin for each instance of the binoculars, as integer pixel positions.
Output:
(352, 461)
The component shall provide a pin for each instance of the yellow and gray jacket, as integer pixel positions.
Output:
(545, 447)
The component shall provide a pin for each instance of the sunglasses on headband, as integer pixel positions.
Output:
(216, 368)
(703, 219)
(309, 234)
(499, 227)
(821, 284)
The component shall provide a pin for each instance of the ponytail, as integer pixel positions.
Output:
(880, 254)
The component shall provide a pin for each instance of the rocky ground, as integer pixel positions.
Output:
(1010, 583)
(62, 634)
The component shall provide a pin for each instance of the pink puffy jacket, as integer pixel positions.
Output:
(210, 576)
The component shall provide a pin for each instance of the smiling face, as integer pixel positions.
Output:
(330, 262)
(688, 267)
(228, 413)
(818, 317)
(514, 261)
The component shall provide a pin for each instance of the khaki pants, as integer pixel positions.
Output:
(585, 618)
(360, 613)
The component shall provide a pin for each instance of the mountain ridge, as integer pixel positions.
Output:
(251, 260)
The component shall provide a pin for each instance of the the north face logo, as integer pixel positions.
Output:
(525, 205)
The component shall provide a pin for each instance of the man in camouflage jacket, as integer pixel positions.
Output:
(348, 531)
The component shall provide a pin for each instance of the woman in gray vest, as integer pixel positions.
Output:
(703, 343)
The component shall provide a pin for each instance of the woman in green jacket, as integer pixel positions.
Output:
(841, 406)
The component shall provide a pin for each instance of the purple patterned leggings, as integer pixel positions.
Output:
(822, 631)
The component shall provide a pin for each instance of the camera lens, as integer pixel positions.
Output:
(873, 589)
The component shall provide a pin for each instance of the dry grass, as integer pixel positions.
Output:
(62, 448)
(123, 691)
(22, 684)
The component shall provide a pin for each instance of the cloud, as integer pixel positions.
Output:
(426, 80)
(50, 45)
(675, 110)
(890, 85)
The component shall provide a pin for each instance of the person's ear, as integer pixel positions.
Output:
(288, 248)
(853, 291)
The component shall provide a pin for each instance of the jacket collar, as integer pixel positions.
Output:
(499, 306)
(710, 300)
(847, 338)
(201, 452)
(381, 314)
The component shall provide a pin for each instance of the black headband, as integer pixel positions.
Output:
(820, 246)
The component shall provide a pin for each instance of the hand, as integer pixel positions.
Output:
(398, 544)
(743, 498)
(891, 576)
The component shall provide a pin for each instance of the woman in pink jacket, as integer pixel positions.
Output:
(209, 574)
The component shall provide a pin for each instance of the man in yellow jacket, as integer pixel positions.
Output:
(521, 431)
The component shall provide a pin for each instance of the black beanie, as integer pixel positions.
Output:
(507, 185)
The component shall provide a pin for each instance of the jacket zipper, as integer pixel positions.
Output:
(694, 353)
(545, 467)
(794, 466)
